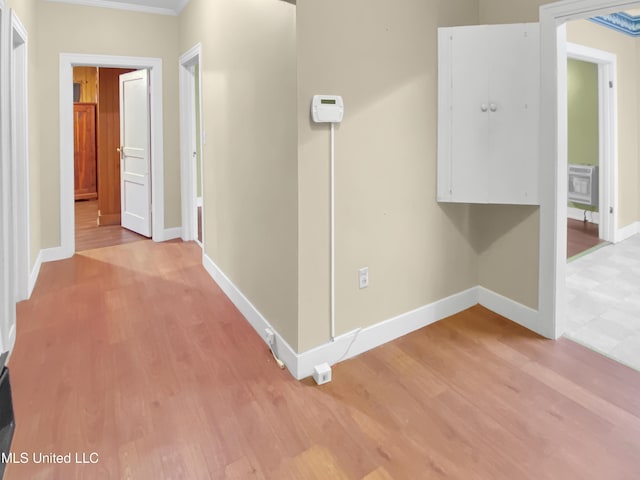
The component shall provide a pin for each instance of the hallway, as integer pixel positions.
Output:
(132, 353)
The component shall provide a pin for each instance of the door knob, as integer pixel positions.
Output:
(493, 107)
(483, 107)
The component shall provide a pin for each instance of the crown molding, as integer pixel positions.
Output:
(125, 6)
(621, 22)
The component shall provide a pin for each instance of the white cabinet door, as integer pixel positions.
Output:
(488, 97)
(513, 113)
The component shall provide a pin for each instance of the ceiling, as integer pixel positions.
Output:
(162, 7)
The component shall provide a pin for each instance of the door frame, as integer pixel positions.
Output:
(19, 144)
(67, 209)
(553, 153)
(607, 133)
(7, 300)
(187, 62)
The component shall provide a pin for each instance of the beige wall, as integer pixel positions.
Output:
(381, 56)
(26, 12)
(250, 165)
(66, 28)
(626, 50)
(512, 11)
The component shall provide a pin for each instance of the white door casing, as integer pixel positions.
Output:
(135, 164)
(553, 153)
(19, 164)
(188, 125)
(7, 303)
(67, 212)
(607, 133)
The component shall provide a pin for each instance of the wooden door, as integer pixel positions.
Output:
(86, 181)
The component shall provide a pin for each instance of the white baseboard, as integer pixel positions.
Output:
(514, 311)
(168, 234)
(251, 313)
(578, 214)
(627, 232)
(361, 340)
(54, 254)
(358, 341)
(33, 275)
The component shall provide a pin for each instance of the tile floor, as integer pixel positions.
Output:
(603, 294)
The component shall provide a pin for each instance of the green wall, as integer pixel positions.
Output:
(582, 95)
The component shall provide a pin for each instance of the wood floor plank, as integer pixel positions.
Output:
(133, 352)
(581, 236)
(90, 235)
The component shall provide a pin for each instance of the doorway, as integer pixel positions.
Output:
(191, 141)
(553, 149)
(18, 106)
(67, 201)
(96, 110)
(7, 293)
(591, 148)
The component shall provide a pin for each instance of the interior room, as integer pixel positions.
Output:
(96, 131)
(601, 275)
(302, 239)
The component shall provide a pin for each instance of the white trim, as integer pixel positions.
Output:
(578, 214)
(358, 341)
(125, 6)
(11, 340)
(67, 213)
(553, 148)
(7, 294)
(361, 340)
(35, 271)
(607, 132)
(53, 254)
(189, 176)
(627, 231)
(510, 309)
(170, 234)
(251, 313)
(19, 133)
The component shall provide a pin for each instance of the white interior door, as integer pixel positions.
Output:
(135, 158)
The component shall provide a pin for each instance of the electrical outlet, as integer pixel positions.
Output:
(363, 277)
(270, 336)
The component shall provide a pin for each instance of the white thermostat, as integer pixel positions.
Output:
(327, 108)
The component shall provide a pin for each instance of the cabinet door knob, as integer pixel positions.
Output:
(483, 107)
(493, 107)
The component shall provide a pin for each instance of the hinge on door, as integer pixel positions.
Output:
(610, 84)
(610, 209)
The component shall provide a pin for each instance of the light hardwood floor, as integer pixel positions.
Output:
(134, 353)
(581, 236)
(89, 235)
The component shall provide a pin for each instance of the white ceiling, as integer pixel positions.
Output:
(163, 7)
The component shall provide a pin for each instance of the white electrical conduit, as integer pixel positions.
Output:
(332, 242)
